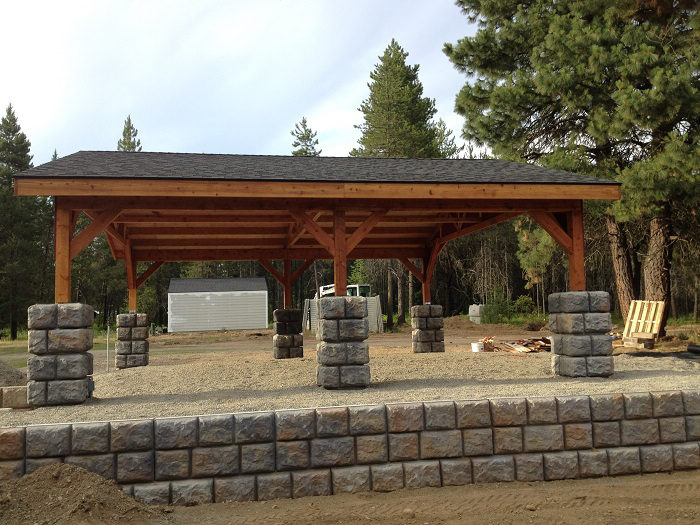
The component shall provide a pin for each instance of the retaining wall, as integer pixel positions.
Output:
(296, 453)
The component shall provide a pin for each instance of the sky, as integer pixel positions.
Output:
(213, 76)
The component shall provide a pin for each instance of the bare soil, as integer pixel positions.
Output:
(11, 376)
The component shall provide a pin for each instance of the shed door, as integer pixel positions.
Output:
(209, 311)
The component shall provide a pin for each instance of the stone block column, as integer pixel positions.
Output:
(59, 367)
(428, 334)
(580, 322)
(131, 348)
(342, 354)
(288, 341)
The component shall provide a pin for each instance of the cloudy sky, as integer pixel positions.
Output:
(213, 76)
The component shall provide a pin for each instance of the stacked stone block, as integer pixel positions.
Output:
(342, 354)
(428, 334)
(59, 367)
(288, 341)
(333, 450)
(131, 348)
(580, 322)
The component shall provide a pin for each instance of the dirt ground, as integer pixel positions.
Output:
(218, 372)
(67, 494)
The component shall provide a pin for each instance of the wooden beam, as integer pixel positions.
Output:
(287, 283)
(577, 271)
(270, 268)
(301, 228)
(492, 221)
(321, 236)
(97, 226)
(550, 224)
(148, 273)
(364, 229)
(418, 274)
(340, 269)
(428, 268)
(63, 224)
(302, 269)
(130, 264)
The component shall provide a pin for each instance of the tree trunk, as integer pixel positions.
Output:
(410, 292)
(399, 293)
(657, 265)
(389, 300)
(695, 299)
(621, 265)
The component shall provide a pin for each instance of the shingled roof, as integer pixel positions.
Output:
(198, 166)
(240, 284)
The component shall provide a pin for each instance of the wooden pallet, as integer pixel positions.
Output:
(643, 324)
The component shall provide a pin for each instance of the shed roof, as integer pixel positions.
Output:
(243, 284)
(227, 167)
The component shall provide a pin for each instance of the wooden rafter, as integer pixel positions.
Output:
(302, 269)
(418, 274)
(364, 229)
(321, 236)
(148, 273)
(97, 226)
(271, 268)
(501, 217)
(551, 225)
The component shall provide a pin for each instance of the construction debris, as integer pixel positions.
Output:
(525, 346)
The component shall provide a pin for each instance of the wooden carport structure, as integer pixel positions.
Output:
(162, 207)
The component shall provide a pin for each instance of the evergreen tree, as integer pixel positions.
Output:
(604, 88)
(129, 140)
(305, 140)
(55, 155)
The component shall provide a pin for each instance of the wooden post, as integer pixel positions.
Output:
(287, 283)
(130, 276)
(340, 269)
(577, 272)
(62, 244)
(425, 285)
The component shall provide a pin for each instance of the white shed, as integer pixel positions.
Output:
(199, 305)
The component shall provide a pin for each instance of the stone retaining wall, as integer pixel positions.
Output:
(580, 322)
(288, 341)
(296, 453)
(428, 334)
(59, 367)
(131, 348)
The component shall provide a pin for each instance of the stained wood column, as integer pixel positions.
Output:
(577, 272)
(287, 283)
(64, 232)
(130, 276)
(340, 268)
(425, 283)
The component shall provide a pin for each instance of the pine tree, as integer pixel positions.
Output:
(129, 140)
(305, 140)
(55, 155)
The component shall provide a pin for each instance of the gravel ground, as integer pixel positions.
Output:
(240, 375)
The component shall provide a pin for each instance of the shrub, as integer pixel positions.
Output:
(524, 305)
(497, 310)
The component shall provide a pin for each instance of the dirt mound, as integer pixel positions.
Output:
(61, 493)
(10, 376)
(458, 322)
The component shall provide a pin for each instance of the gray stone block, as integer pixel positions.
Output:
(439, 415)
(172, 464)
(575, 345)
(214, 461)
(297, 340)
(296, 352)
(573, 409)
(292, 455)
(672, 429)
(507, 440)
(122, 347)
(120, 361)
(606, 434)
(420, 310)
(600, 366)
(136, 359)
(456, 472)
(541, 410)
(41, 367)
(638, 405)
(281, 315)
(421, 348)
(258, 457)
(126, 320)
(139, 347)
(101, 464)
(560, 465)
(135, 467)
(328, 376)
(667, 404)
(601, 345)
(403, 446)
(367, 419)
(67, 391)
(599, 301)
(405, 417)
(529, 467)
(254, 427)
(47, 440)
(192, 492)
(569, 324)
(216, 430)
(578, 436)
(311, 483)
(238, 488)
(74, 315)
(372, 449)
(90, 438)
(42, 316)
(692, 427)
(274, 486)
(686, 455)
(355, 307)
(74, 366)
(280, 352)
(508, 412)
(37, 342)
(623, 460)
(640, 432)
(435, 310)
(569, 366)
(282, 341)
(36, 393)
(542, 438)
(328, 331)
(153, 493)
(423, 336)
(331, 308)
(141, 320)
(12, 443)
(353, 329)
(434, 323)
(593, 463)
(691, 401)
(597, 323)
(387, 478)
(131, 435)
(139, 333)
(11, 469)
(438, 346)
(69, 340)
(32, 465)
(473, 413)
(657, 458)
(357, 353)
(353, 376)
(607, 407)
(419, 323)
(294, 424)
(571, 302)
(441, 444)
(176, 432)
(332, 452)
(420, 474)
(351, 479)
(331, 354)
(332, 421)
(493, 469)
(477, 441)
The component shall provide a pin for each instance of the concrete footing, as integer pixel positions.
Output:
(288, 341)
(132, 340)
(428, 334)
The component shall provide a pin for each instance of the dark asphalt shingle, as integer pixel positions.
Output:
(244, 284)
